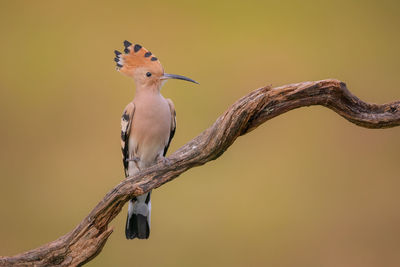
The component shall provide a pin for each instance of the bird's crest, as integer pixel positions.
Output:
(135, 56)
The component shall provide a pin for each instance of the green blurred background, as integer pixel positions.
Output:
(307, 188)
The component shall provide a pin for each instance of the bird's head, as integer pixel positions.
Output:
(145, 69)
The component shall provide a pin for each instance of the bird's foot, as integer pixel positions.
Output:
(135, 159)
(164, 160)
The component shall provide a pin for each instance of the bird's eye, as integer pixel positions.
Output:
(148, 74)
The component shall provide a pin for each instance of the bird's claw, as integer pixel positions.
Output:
(135, 159)
(165, 161)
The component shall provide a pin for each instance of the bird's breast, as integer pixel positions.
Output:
(151, 126)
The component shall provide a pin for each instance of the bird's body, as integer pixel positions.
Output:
(151, 123)
(147, 127)
(150, 129)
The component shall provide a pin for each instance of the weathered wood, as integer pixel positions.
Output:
(87, 240)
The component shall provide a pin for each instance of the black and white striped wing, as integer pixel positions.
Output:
(173, 125)
(126, 124)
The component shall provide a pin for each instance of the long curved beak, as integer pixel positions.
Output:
(175, 76)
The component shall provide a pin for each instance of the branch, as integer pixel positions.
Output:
(87, 240)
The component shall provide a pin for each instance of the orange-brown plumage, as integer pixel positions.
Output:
(135, 58)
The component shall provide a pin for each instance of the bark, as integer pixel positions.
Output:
(86, 241)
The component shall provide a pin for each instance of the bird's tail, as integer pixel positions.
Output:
(138, 220)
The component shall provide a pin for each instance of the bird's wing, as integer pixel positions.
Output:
(126, 122)
(173, 124)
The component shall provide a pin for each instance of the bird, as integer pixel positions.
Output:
(148, 125)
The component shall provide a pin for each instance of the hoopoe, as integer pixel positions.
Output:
(147, 126)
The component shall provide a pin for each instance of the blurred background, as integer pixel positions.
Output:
(307, 188)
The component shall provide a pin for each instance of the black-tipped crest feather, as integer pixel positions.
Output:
(127, 44)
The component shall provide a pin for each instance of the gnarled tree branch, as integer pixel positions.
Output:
(87, 240)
